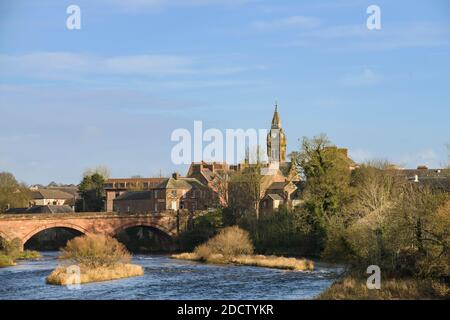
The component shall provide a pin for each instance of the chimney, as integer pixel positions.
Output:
(175, 175)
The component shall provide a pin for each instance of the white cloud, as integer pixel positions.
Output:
(395, 36)
(288, 22)
(360, 155)
(363, 79)
(428, 157)
(66, 65)
(159, 4)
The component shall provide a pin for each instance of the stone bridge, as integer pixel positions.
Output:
(25, 226)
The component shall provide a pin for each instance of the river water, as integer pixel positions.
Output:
(167, 278)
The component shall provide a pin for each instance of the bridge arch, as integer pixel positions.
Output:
(142, 224)
(145, 237)
(53, 225)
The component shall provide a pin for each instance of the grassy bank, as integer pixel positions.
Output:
(60, 276)
(233, 246)
(99, 257)
(12, 251)
(353, 287)
(251, 260)
(6, 261)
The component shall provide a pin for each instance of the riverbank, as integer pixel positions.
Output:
(8, 260)
(353, 287)
(60, 276)
(251, 260)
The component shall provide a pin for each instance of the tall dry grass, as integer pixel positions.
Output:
(100, 258)
(12, 251)
(60, 276)
(230, 242)
(233, 245)
(353, 287)
(274, 262)
(95, 251)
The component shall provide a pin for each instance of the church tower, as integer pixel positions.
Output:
(276, 140)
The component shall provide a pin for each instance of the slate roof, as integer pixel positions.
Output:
(41, 209)
(274, 196)
(180, 183)
(50, 194)
(277, 185)
(135, 195)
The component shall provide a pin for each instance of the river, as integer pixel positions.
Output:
(167, 278)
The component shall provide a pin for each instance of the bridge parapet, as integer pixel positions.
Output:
(25, 226)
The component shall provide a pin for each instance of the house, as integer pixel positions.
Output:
(44, 197)
(41, 209)
(171, 194)
(114, 188)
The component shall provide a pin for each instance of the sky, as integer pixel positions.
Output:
(112, 92)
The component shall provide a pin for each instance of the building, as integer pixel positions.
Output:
(172, 194)
(41, 209)
(55, 197)
(206, 184)
(433, 178)
(276, 140)
(114, 188)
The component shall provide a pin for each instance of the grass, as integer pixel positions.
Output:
(274, 262)
(233, 246)
(251, 260)
(353, 287)
(28, 255)
(60, 276)
(12, 251)
(99, 257)
(6, 261)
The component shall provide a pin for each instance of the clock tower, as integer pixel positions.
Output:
(276, 140)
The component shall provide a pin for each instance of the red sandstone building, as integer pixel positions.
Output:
(206, 184)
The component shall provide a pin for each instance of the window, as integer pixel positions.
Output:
(174, 193)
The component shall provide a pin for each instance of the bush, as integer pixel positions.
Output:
(202, 229)
(6, 261)
(230, 242)
(12, 248)
(95, 251)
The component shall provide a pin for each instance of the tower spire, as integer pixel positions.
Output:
(276, 123)
(276, 140)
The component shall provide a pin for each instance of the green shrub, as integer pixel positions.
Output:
(95, 251)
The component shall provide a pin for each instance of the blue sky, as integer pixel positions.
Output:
(112, 93)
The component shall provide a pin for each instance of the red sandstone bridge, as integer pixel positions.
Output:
(25, 226)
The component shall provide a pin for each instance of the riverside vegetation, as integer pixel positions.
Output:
(233, 245)
(361, 217)
(11, 251)
(99, 257)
